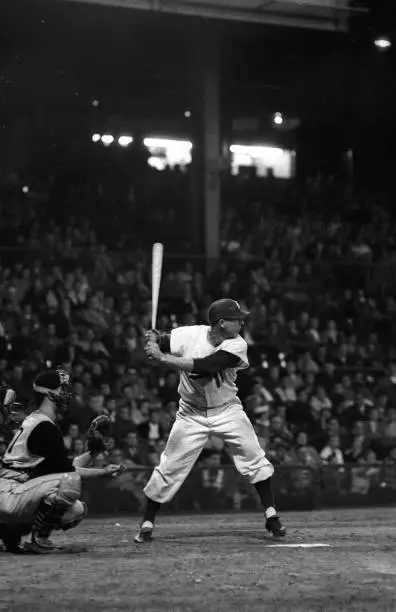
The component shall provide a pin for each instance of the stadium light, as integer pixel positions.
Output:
(269, 154)
(107, 139)
(278, 118)
(166, 143)
(95, 137)
(125, 141)
(382, 43)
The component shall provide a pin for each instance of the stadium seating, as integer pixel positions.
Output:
(313, 264)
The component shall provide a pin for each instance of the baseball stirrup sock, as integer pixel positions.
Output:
(151, 510)
(266, 494)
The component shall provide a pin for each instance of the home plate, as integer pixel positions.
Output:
(312, 545)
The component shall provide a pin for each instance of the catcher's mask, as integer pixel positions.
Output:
(54, 384)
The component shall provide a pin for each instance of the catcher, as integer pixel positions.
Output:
(40, 486)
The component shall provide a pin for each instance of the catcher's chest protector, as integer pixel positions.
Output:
(17, 455)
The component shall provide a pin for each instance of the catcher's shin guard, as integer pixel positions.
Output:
(50, 511)
(48, 516)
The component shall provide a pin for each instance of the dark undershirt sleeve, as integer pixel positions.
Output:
(164, 343)
(215, 363)
(46, 441)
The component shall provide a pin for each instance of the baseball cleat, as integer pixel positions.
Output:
(274, 526)
(11, 536)
(11, 544)
(145, 533)
(40, 544)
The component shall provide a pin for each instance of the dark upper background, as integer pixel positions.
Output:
(57, 57)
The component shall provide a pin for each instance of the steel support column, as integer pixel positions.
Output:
(205, 180)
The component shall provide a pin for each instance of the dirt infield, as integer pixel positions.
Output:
(212, 564)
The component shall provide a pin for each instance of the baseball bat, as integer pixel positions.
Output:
(156, 271)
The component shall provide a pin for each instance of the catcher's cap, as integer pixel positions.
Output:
(49, 380)
(52, 382)
(226, 309)
(55, 384)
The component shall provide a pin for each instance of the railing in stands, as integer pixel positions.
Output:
(221, 489)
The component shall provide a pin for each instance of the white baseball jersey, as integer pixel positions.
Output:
(17, 455)
(207, 392)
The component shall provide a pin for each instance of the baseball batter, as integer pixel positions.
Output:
(39, 485)
(209, 358)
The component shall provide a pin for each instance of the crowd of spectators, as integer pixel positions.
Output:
(321, 389)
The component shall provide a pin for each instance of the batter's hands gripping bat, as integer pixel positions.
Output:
(156, 271)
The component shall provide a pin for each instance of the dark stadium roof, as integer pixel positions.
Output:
(62, 56)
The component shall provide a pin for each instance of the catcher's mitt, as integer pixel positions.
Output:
(98, 434)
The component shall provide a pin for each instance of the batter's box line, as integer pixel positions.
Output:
(301, 545)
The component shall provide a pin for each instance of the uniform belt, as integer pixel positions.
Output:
(204, 409)
(208, 408)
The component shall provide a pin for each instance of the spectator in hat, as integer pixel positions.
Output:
(332, 453)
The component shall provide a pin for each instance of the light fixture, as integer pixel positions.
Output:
(107, 139)
(125, 141)
(187, 114)
(95, 102)
(25, 189)
(270, 154)
(166, 143)
(95, 137)
(382, 43)
(278, 118)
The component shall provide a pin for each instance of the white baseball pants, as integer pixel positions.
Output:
(19, 501)
(188, 437)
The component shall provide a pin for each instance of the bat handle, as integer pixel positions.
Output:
(153, 331)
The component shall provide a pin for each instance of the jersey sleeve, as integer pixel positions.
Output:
(238, 347)
(46, 441)
(179, 339)
(164, 342)
(217, 362)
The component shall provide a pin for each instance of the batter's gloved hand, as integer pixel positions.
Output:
(98, 434)
(151, 335)
(153, 351)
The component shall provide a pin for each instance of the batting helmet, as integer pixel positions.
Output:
(226, 309)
